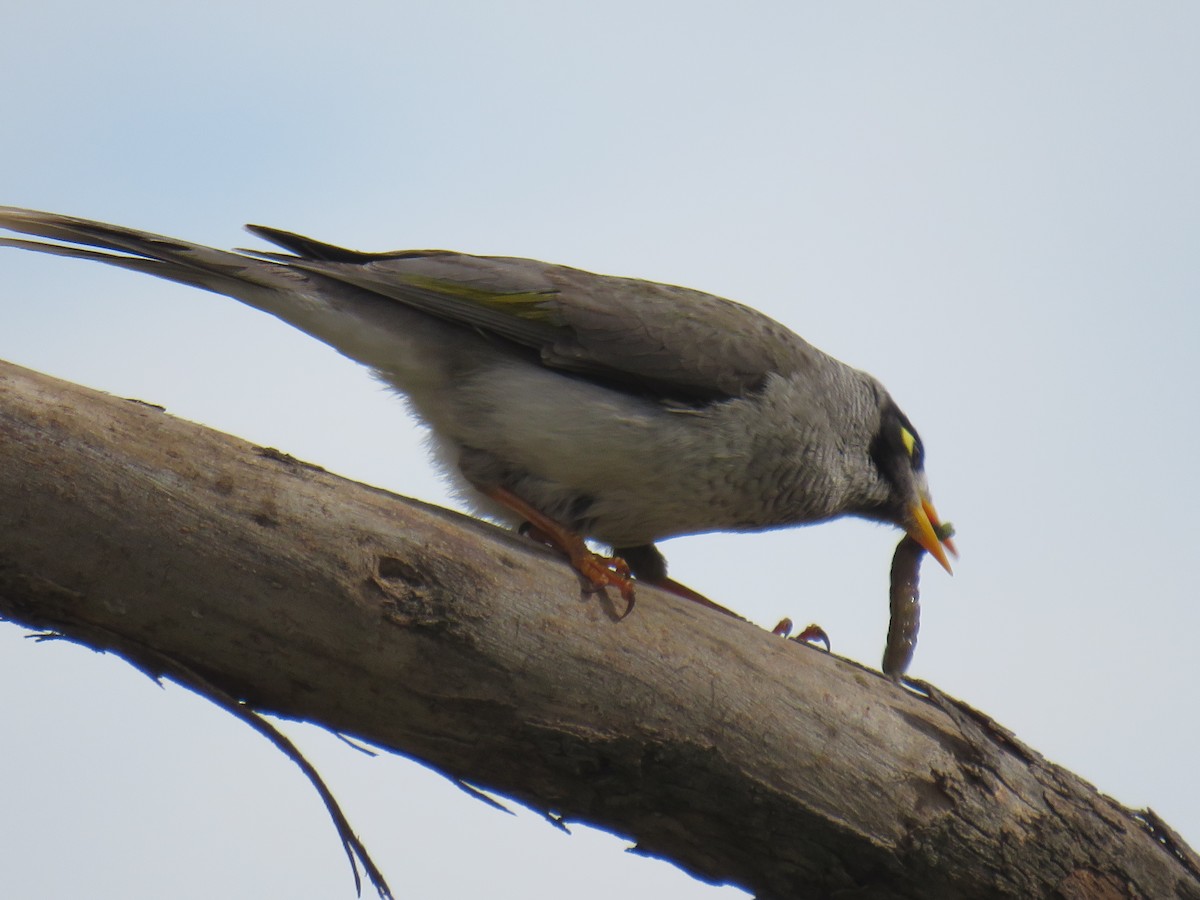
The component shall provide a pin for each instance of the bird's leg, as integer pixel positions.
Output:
(649, 566)
(682, 590)
(598, 571)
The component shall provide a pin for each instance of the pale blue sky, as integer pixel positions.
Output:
(994, 209)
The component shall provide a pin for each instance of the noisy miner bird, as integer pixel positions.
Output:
(584, 405)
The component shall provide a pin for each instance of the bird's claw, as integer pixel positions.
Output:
(813, 634)
(600, 572)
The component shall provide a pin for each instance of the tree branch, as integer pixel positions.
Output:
(741, 757)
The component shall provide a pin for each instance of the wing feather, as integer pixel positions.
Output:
(685, 342)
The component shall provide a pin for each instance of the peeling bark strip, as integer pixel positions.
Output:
(741, 757)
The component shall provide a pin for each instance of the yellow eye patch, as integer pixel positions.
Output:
(906, 438)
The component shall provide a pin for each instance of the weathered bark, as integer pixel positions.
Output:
(742, 757)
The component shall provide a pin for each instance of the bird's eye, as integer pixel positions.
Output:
(909, 441)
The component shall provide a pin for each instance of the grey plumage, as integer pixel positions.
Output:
(628, 411)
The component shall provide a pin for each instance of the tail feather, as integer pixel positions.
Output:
(220, 271)
(154, 267)
(362, 324)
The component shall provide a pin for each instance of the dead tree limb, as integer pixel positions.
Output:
(742, 757)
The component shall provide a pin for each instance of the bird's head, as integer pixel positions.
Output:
(899, 457)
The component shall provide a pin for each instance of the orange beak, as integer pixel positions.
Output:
(925, 527)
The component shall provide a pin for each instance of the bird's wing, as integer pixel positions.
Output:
(673, 340)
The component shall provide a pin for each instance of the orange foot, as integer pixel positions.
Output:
(597, 571)
(813, 634)
(810, 635)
